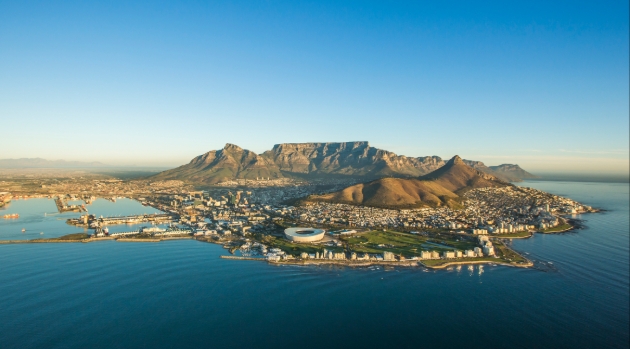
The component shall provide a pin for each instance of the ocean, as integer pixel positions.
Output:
(180, 294)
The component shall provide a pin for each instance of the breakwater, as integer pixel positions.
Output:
(91, 220)
(244, 258)
(63, 207)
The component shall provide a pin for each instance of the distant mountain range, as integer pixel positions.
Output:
(506, 172)
(317, 160)
(43, 163)
(441, 187)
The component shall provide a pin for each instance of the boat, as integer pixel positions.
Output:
(23, 230)
(11, 216)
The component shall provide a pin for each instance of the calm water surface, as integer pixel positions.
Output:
(41, 219)
(180, 294)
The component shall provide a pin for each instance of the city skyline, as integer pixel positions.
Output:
(152, 84)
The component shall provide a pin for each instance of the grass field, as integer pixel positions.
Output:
(296, 248)
(558, 228)
(78, 236)
(507, 254)
(404, 244)
(520, 234)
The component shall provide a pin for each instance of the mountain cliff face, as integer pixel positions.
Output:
(348, 158)
(441, 187)
(312, 160)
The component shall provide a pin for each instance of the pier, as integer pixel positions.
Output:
(155, 218)
(93, 221)
(63, 207)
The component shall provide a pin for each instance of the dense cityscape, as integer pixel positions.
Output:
(251, 222)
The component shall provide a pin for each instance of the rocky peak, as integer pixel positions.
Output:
(456, 160)
(232, 147)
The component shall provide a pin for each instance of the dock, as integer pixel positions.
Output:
(63, 207)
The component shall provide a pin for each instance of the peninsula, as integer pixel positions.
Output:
(368, 206)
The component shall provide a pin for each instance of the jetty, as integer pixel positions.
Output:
(93, 221)
(62, 206)
(244, 258)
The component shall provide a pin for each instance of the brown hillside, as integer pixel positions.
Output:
(458, 177)
(391, 192)
(436, 189)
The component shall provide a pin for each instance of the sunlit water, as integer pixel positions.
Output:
(179, 294)
(40, 218)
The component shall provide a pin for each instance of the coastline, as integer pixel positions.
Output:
(434, 264)
(529, 264)
(305, 262)
(45, 241)
(351, 263)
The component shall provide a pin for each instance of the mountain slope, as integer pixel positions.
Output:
(440, 187)
(457, 177)
(512, 172)
(313, 160)
(219, 165)
(391, 192)
(505, 172)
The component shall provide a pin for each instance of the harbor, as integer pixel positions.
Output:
(92, 221)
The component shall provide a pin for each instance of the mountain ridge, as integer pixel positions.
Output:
(441, 187)
(306, 160)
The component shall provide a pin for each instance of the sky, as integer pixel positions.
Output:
(539, 83)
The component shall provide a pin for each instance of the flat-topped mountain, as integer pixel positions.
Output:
(309, 161)
(348, 159)
(305, 160)
(440, 187)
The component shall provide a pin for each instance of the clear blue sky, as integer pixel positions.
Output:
(541, 83)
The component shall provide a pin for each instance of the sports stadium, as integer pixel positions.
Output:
(304, 234)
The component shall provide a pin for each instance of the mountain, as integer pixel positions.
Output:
(440, 187)
(303, 160)
(458, 177)
(391, 193)
(505, 172)
(512, 172)
(219, 165)
(312, 161)
(43, 163)
(347, 159)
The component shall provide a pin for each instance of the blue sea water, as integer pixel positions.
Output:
(41, 220)
(179, 294)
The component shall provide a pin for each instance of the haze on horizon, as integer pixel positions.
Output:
(544, 85)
